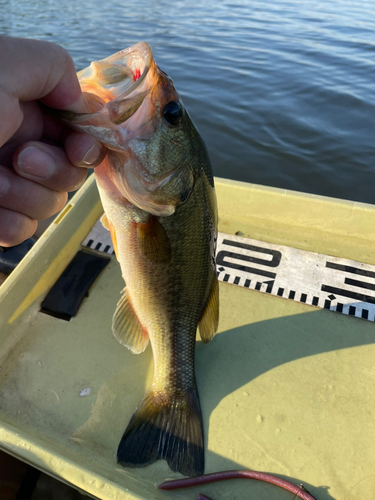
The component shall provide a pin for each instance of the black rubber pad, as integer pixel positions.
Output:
(66, 295)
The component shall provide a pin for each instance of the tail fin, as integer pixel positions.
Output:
(169, 428)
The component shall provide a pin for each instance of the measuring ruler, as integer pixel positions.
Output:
(332, 283)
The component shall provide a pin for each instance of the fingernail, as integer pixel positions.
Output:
(92, 155)
(34, 161)
(4, 183)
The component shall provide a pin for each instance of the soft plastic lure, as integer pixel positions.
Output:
(299, 491)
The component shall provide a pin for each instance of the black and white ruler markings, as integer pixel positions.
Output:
(340, 285)
(99, 239)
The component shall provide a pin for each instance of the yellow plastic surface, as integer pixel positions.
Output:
(285, 388)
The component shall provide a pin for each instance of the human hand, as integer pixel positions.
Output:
(40, 158)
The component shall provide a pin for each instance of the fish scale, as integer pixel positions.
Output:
(157, 191)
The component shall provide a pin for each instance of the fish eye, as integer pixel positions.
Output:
(172, 112)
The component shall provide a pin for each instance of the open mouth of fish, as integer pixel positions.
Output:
(114, 89)
(120, 74)
(126, 93)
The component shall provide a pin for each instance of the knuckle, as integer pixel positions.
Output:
(79, 180)
(15, 228)
(50, 205)
(58, 203)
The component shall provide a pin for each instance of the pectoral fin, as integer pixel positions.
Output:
(210, 319)
(109, 226)
(153, 242)
(113, 238)
(104, 221)
(126, 327)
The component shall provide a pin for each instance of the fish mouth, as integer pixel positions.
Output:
(120, 74)
(114, 89)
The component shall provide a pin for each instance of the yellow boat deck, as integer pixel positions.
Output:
(285, 388)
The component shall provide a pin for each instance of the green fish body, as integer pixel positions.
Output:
(157, 190)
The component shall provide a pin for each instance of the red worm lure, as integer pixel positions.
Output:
(299, 491)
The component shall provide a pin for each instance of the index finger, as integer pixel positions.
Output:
(35, 70)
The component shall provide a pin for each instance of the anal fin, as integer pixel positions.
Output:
(126, 327)
(209, 322)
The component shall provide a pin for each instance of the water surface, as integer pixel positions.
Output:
(282, 92)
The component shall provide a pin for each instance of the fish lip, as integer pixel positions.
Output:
(141, 48)
(149, 58)
(145, 52)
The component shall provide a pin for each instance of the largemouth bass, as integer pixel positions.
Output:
(157, 190)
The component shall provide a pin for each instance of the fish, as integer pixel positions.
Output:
(157, 189)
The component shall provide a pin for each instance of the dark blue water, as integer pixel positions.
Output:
(283, 92)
